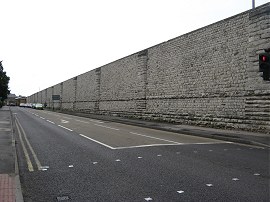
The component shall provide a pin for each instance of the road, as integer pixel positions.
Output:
(69, 158)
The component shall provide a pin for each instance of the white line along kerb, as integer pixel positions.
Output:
(155, 138)
(106, 127)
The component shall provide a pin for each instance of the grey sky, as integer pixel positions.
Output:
(43, 42)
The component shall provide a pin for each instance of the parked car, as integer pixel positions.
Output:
(29, 105)
(38, 106)
(22, 105)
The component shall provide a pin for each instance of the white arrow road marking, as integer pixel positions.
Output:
(64, 121)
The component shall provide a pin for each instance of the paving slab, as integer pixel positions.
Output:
(10, 187)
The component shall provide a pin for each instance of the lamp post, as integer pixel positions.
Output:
(253, 4)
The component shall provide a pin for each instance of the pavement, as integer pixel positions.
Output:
(10, 188)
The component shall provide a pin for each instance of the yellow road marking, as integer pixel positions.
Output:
(29, 163)
(30, 147)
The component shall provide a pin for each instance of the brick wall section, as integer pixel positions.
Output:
(205, 77)
(43, 96)
(122, 85)
(49, 97)
(88, 86)
(199, 78)
(69, 94)
(257, 102)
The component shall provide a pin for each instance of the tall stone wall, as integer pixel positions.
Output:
(49, 97)
(257, 100)
(199, 78)
(88, 91)
(68, 96)
(206, 77)
(122, 85)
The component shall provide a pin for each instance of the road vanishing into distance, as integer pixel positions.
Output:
(69, 158)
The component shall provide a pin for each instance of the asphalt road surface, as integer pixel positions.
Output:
(68, 158)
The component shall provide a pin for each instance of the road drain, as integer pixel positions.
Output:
(62, 198)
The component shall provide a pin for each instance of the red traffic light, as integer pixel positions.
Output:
(264, 65)
(264, 57)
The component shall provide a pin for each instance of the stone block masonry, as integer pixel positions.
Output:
(206, 77)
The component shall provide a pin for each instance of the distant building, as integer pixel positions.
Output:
(20, 100)
(11, 100)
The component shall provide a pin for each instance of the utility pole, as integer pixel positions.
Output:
(253, 4)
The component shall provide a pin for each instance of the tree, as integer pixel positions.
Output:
(4, 80)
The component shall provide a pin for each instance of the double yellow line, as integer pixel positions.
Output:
(22, 136)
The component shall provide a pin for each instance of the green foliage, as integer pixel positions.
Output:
(4, 80)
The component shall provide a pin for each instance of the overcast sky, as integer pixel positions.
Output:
(45, 42)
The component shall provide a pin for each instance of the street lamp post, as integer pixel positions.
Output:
(253, 4)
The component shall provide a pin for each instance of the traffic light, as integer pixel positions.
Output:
(264, 62)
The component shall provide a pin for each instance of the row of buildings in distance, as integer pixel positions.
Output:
(13, 100)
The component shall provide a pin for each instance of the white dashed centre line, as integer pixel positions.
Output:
(65, 128)
(50, 121)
